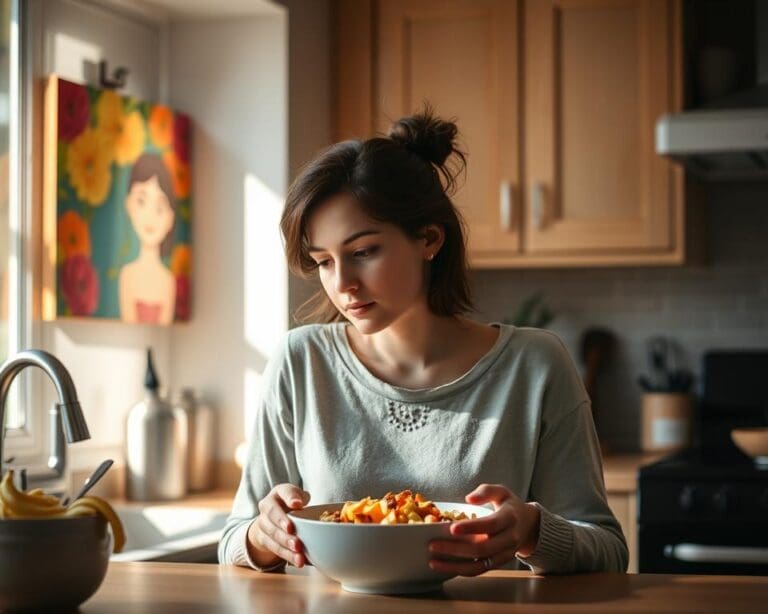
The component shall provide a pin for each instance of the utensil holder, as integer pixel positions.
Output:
(666, 421)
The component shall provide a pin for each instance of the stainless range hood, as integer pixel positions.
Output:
(728, 139)
(718, 144)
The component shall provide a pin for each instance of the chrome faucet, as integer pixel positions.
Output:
(73, 421)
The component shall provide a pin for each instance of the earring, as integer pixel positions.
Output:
(430, 257)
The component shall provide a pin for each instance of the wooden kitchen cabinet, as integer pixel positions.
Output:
(624, 507)
(620, 475)
(556, 102)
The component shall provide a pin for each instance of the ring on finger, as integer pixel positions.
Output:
(487, 562)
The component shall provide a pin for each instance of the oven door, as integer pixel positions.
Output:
(703, 549)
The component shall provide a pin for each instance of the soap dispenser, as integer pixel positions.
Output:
(156, 445)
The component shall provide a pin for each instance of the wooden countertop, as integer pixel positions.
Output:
(219, 499)
(177, 587)
(620, 470)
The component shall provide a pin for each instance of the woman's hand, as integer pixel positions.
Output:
(490, 541)
(271, 536)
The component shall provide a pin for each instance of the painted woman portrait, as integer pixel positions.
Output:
(147, 287)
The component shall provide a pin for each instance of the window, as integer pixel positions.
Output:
(13, 246)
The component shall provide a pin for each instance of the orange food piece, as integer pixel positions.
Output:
(404, 507)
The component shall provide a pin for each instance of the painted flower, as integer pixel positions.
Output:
(109, 112)
(88, 162)
(181, 260)
(80, 285)
(161, 126)
(73, 235)
(179, 174)
(183, 298)
(125, 133)
(130, 142)
(74, 109)
(181, 136)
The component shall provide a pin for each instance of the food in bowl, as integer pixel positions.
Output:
(52, 557)
(371, 557)
(402, 508)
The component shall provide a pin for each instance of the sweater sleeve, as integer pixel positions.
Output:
(578, 533)
(270, 460)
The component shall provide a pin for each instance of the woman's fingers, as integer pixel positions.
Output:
(270, 541)
(490, 525)
(476, 549)
(495, 493)
(472, 567)
(275, 528)
(292, 496)
(501, 520)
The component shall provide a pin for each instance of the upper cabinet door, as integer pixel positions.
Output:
(598, 73)
(462, 57)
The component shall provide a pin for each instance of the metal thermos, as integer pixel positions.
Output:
(156, 446)
(201, 436)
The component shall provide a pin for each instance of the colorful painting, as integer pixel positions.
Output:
(117, 207)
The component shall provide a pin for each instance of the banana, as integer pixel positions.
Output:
(36, 504)
(17, 504)
(95, 505)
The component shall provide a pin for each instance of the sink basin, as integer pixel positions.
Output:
(170, 533)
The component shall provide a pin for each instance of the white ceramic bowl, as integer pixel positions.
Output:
(373, 558)
(753, 442)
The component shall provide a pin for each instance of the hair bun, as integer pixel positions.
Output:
(429, 137)
(433, 140)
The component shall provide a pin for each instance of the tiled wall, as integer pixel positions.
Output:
(720, 304)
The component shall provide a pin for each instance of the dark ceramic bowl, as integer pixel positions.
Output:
(53, 564)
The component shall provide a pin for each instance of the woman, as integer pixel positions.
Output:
(399, 390)
(147, 288)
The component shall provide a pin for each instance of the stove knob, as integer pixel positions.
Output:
(691, 499)
(764, 499)
(723, 500)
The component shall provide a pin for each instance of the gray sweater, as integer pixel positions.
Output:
(520, 417)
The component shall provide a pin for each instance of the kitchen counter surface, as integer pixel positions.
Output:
(620, 470)
(177, 587)
(219, 500)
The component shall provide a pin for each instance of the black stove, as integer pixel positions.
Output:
(705, 509)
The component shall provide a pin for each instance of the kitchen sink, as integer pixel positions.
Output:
(170, 533)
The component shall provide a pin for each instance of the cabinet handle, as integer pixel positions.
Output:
(537, 205)
(706, 553)
(507, 206)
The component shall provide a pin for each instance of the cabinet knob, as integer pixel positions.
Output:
(507, 206)
(537, 205)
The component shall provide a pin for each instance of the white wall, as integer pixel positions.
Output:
(231, 76)
(105, 359)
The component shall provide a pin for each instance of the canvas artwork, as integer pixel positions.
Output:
(117, 207)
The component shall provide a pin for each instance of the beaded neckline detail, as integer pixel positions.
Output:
(406, 417)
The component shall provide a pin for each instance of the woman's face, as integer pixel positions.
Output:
(371, 271)
(149, 211)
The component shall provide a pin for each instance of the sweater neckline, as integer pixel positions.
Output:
(360, 372)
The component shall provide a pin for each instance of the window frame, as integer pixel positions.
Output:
(30, 442)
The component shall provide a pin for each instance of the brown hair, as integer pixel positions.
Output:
(151, 165)
(403, 179)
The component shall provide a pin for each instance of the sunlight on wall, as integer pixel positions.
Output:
(264, 271)
(69, 54)
(265, 276)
